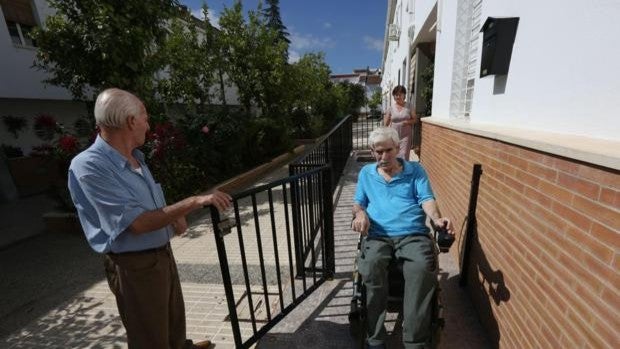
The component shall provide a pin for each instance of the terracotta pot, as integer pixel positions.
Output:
(62, 222)
(33, 175)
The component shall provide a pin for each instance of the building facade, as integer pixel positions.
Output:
(370, 79)
(543, 268)
(22, 91)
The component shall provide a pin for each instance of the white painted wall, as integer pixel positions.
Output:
(65, 112)
(406, 14)
(17, 78)
(398, 51)
(444, 54)
(563, 76)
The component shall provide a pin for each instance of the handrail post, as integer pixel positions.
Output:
(328, 225)
(471, 228)
(295, 214)
(221, 254)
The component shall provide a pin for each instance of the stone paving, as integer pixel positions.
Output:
(73, 307)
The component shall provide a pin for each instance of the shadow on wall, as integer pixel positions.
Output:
(490, 286)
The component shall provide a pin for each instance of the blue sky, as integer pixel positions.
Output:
(350, 32)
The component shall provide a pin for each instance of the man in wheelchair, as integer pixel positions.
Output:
(392, 200)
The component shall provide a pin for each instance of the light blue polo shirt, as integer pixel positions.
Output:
(109, 196)
(394, 208)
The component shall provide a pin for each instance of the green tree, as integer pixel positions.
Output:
(427, 88)
(274, 21)
(351, 97)
(88, 45)
(374, 102)
(253, 63)
(193, 63)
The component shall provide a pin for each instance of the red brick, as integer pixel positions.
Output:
(565, 165)
(605, 235)
(527, 179)
(575, 218)
(537, 197)
(517, 162)
(550, 219)
(542, 171)
(598, 212)
(531, 155)
(610, 336)
(600, 309)
(579, 186)
(610, 197)
(585, 330)
(604, 177)
(554, 191)
(597, 249)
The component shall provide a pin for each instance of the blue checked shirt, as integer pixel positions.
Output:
(109, 196)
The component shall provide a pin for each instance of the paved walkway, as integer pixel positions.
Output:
(54, 294)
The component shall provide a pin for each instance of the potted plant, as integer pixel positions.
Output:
(14, 124)
(59, 148)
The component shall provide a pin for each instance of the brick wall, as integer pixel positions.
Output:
(545, 263)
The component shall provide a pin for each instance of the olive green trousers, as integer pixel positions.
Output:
(420, 267)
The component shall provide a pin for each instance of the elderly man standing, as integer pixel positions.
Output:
(392, 199)
(125, 217)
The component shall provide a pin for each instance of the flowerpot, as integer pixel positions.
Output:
(33, 175)
(62, 222)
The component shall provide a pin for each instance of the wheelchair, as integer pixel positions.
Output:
(396, 286)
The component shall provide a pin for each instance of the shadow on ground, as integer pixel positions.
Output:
(41, 273)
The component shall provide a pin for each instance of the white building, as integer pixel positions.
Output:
(370, 79)
(22, 91)
(546, 136)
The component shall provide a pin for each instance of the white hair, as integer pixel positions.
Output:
(114, 105)
(383, 134)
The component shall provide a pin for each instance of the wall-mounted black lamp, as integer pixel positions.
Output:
(498, 39)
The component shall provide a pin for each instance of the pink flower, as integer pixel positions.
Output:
(205, 129)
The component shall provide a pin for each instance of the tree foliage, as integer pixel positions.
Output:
(253, 63)
(273, 20)
(194, 65)
(89, 45)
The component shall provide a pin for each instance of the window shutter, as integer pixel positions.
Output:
(18, 11)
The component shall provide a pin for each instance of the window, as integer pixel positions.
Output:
(465, 57)
(20, 20)
(404, 82)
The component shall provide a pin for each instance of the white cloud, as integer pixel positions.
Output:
(293, 56)
(373, 43)
(309, 42)
(327, 25)
(214, 19)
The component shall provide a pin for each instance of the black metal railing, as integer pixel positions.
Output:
(361, 129)
(334, 149)
(275, 248)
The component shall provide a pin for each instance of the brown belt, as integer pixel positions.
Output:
(136, 253)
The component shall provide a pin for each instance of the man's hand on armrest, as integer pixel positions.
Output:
(360, 222)
(431, 210)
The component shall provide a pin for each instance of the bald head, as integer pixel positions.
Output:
(114, 105)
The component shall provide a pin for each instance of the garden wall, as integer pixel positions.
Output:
(544, 270)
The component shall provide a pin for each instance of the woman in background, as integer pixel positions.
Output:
(401, 117)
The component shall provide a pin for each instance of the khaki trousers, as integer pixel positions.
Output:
(149, 298)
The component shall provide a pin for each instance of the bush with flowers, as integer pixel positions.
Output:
(201, 150)
(186, 156)
(58, 148)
